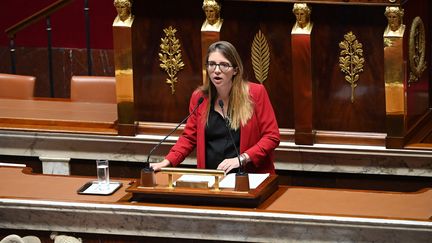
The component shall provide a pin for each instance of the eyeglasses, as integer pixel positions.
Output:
(223, 66)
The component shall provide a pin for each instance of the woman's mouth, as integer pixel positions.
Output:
(217, 79)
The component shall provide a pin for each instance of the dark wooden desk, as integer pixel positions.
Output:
(358, 215)
(58, 115)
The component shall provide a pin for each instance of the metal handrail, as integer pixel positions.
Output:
(46, 13)
(11, 31)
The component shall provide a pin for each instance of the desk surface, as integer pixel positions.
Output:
(17, 183)
(58, 115)
(292, 214)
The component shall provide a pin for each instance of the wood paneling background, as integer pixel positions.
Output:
(333, 108)
(154, 100)
(332, 111)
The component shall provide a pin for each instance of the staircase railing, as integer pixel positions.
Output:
(46, 13)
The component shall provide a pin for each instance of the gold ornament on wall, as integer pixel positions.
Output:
(416, 51)
(170, 56)
(351, 60)
(260, 55)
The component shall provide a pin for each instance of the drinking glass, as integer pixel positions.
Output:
(103, 174)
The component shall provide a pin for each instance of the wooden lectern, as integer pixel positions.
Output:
(165, 192)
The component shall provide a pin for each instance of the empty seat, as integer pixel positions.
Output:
(16, 86)
(97, 89)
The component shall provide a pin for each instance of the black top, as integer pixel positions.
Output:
(218, 141)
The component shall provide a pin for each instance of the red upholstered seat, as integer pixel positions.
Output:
(97, 89)
(16, 86)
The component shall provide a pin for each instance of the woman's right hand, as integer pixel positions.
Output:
(159, 165)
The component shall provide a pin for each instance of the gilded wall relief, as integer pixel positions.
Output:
(260, 55)
(351, 60)
(170, 56)
(417, 50)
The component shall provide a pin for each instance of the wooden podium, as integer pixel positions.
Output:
(163, 192)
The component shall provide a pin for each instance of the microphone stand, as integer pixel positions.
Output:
(148, 178)
(147, 173)
(242, 178)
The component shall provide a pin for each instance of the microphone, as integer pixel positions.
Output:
(221, 104)
(147, 163)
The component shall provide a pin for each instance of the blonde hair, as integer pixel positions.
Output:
(240, 106)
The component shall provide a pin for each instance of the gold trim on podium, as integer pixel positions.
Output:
(218, 174)
(161, 192)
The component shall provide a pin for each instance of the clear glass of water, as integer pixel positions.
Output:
(103, 174)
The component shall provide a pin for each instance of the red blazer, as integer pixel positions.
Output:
(258, 137)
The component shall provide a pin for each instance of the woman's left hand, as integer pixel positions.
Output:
(228, 164)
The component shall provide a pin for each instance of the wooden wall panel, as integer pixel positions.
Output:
(153, 98)
(275, 21)
(418, 100)
(333, 108)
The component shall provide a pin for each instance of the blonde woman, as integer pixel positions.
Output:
(232, 109)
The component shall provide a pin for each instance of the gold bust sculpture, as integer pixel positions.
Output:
(394, 17)
(302, 13)
(213, 21)
(124, 14)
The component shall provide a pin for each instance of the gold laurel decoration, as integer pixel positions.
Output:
(351, 60)
(416, 50)
(170, 56)
(388, 42)
(260, 57)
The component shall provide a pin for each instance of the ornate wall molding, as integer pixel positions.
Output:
(170, 56)
(351, 60)
(417, 50)
(260, 55)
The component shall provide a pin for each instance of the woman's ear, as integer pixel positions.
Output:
(235, 71)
